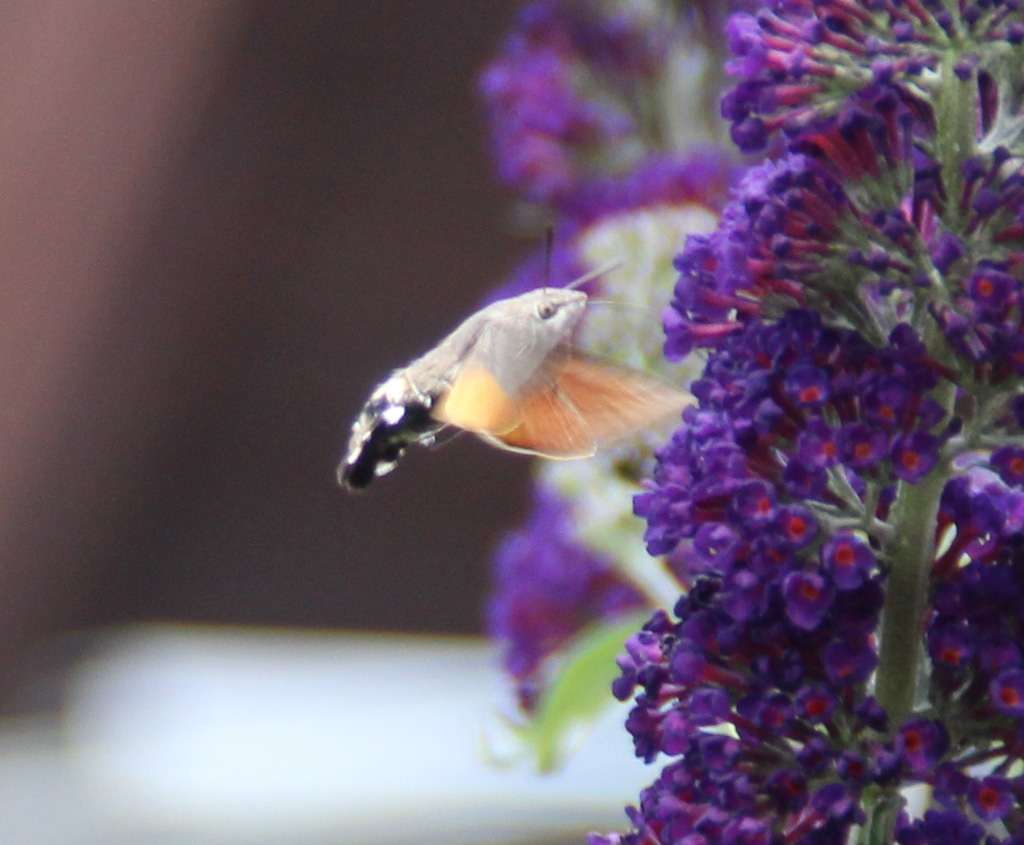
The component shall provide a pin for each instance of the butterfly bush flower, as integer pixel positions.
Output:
(780, 624)
(799, 61)
(629, 194)
(547, 585)
(578, 91)
(638, 219)
(836, 647)
(850, 481)
(559, 96)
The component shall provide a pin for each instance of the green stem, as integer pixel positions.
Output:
(955, 109)
(910, 553)
(906, 593)
(910, 556)
(882, 816)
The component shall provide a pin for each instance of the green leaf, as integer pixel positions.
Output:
(580, 691)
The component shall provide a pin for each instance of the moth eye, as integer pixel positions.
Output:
(545, 310)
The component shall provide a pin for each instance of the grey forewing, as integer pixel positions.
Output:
(433, 373)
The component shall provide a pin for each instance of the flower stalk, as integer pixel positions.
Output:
(915, 517)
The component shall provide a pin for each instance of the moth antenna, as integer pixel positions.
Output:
(549, 248)
(593, 274)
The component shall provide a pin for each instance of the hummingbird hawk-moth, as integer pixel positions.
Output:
(510, 375)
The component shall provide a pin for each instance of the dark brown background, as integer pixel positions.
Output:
(223, 223)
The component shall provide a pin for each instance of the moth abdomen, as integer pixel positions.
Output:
(381, 434)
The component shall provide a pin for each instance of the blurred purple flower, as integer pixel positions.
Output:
(700, 178)
(562, 95)
(547, 587)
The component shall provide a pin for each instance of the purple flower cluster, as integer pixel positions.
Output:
(575, 100)
(782, 479)
(794, 417)
(547, 587)
(560, 97)
(860, 223)
(807, 230)
(800, 60)
(975, 642)
(844, 509)
(984, 321)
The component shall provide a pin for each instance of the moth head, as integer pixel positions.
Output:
(554, 309)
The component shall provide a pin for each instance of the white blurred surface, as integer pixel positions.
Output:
(182, 735)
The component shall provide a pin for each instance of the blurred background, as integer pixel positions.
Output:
(224, 221)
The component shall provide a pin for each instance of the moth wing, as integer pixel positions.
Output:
(615, 401)
(586, 404)
(578, 404)
(477, 402)
(549, 425)
(541, 421)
